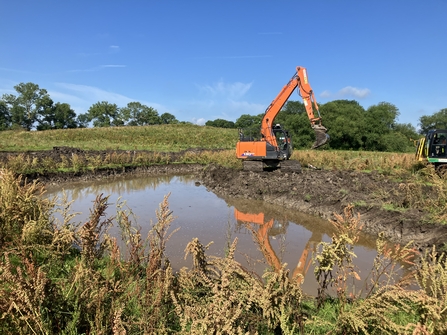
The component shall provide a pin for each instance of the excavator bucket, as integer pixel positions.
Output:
(321, 138)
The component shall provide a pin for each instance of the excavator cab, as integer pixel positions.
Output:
(438, 144)
(433, 148)
(283, 140)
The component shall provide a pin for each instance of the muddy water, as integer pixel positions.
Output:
(266, 235)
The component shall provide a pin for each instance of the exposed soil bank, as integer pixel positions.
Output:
(324, 193)
(317, 192)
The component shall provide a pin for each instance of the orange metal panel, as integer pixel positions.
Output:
(251, 149)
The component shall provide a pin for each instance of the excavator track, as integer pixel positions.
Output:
(284, 166)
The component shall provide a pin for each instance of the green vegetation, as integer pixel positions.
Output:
(65, 278)
(351, 126)
(161, 138)
(149, 145)
(144, 146)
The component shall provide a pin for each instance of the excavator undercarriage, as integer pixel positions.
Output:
(259, 165)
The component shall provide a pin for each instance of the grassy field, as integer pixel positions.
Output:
(170, 138)
(175, 138)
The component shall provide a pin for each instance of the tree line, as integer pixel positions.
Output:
(33, 109)
(351, 127)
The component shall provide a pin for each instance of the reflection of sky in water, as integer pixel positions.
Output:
(202, 214)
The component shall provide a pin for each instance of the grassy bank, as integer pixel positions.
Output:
(162, 138)
(60, 278)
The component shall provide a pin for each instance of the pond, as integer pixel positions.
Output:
(267, 235)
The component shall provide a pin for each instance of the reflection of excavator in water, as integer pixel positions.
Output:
(262, 235)
(275, 146)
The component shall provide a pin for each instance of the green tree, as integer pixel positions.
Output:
(345, 121)
(57, 116)
(246, 121)
(436, 121)
(167, 118)
(293, 118)
(104, 114)
(137, 114)
(26, 106)
(82, 120)
(5, 116)
(380, 120)
(408, 131)
(220, 123)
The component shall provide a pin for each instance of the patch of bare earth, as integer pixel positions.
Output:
(324, 193)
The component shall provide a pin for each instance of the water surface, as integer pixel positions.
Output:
(267, 235)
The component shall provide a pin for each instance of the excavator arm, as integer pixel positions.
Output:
(300, 81)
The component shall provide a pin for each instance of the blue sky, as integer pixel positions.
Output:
(206, 59)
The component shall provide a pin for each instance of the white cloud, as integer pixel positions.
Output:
(71, 99)
(82, 97)
(325, 94)
(94, 93)
(348, 91)
(114, 49)
(230, 91)
(355, 92)
(199, 121)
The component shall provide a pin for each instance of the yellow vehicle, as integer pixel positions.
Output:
(432, 148)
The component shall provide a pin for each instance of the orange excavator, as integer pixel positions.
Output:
(262, 236)
(274, 148)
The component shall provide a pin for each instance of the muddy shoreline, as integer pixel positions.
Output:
(316, 192)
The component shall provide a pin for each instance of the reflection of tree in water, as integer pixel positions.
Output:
(121, 186)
